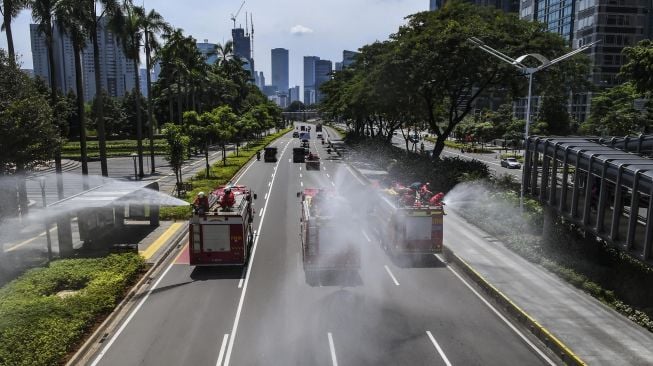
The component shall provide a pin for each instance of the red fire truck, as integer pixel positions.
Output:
(326, 238)
(407, 229)
(222, 235)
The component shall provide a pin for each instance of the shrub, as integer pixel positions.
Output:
(37, 327)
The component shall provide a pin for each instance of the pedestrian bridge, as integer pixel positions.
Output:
(603, 185)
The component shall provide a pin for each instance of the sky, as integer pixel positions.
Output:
(306, 28)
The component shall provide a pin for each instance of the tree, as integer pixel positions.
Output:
(222, 123)
(115, 118)
(613, 113)
(93, 25)
(29, 136)
(128, 28)
(296, 106)
(9, 10)
(639, 65)
(43, 12)
(176, 148)
(72, 17)
(153, 25)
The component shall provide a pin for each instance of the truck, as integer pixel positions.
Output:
(318, 128)
(270, 154)
(312, 162)
(406, 229)
(222, 236)
(298, 154)
(326, 240)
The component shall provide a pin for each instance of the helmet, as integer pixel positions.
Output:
(201, 194)
(227, 189)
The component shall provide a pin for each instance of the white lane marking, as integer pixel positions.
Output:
(366, 236)
(333, 184)
(266, 196)
(324, 167)
(247, 277)
(355, 176)
(130, 317)
(244, 171)
(290, 160)
(260, 213)
(300, 175)
(334, 360)
(269, 183)
(391, 275)
(221, 354)
(240, 283)
(300, 168)
(503, 318)
(328, 176)
(272, 175)
(301, 183)
(437, 347)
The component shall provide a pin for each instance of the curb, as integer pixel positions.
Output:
(100, 333)
(565, 354)
(552, 342)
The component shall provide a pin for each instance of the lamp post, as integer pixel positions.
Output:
(47, 221)
(527, 71)
(134, 156)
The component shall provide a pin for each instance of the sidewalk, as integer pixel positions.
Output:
(594, 332)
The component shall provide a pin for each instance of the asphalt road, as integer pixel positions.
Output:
(390, 312)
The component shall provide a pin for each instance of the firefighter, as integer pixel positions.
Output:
(425, 193)
(201, 203)
(437, 200)
(228, 199)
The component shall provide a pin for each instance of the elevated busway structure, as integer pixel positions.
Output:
(106, 211)
(603, 185)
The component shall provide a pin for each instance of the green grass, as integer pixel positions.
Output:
(37, 327)
(220, 174)
(114, 148)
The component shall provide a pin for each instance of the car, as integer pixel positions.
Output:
(295, 134)
(510, 163)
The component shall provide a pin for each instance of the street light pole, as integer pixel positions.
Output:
(134, 156)
(47, 222)
(527, 71)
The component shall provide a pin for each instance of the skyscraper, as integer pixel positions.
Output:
(208, 51)
(117, 72)
(323, 69)
(309, 79)
(435, 4)
(243, 48)
(348, 58)
(293, 94)
(280, 68)
(618, 24)
(39, 53)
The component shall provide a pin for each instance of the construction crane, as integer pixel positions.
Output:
(251, 23)
(233, 17)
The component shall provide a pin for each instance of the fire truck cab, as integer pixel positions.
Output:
(222, 235)
(327, 243)
(403, 229)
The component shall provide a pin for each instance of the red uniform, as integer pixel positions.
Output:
(228, 200)
(437, 200)
(201, 203)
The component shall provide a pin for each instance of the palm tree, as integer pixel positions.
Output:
(10, 10)
(128, 29)
(152, 24)
(109, 9)
(72, 18)
(43, 12)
